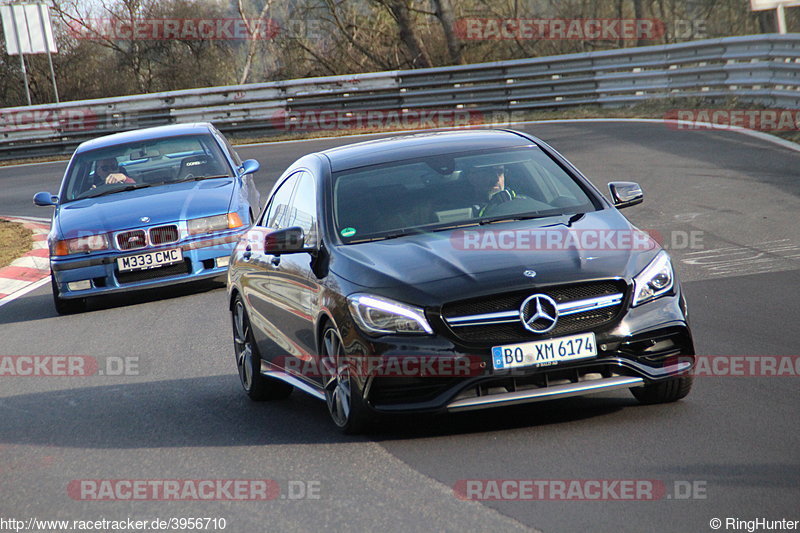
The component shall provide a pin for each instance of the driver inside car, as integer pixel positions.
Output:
(108, 171)
(490, 186)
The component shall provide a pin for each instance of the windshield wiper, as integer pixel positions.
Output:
(511, 218)
(456, 225)
(130, 187)
(390, 235)
(198, 178)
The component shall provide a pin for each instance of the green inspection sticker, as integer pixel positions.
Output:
(348, 232)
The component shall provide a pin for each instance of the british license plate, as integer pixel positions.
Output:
(544, 353)
(149, 260)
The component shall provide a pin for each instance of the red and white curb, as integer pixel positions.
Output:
(32, 269)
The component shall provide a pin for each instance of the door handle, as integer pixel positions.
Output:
(248, 252)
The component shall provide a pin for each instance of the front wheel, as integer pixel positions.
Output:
(65, 306)
(345, 403)
(248, 360)
(669, 390)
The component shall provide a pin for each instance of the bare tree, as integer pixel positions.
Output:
(407, 32)
(444, 12)
(638, 14)
(346, 31)
(327, 37)
(252, 29)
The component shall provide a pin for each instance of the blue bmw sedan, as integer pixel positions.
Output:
(146, 208)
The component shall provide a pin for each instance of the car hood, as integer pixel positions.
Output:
(436, 267)
(161, 204)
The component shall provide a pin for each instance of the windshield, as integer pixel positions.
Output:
(141, 164)
(441, 192)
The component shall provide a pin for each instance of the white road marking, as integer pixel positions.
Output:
(32, 261)
(769, 256)
(32, 219)
(22, 292)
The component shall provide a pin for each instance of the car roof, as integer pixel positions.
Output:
(145, 134)
(420, 145)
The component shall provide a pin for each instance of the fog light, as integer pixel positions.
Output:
(79, 285)
(223, 261)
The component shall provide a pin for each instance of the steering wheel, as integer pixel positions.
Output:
(502, 203)
(517, 205)
(98, 187)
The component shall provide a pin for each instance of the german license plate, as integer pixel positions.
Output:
(544, 353)
(149, 260)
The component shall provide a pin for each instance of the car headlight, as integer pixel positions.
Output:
(383, 316)
(85, 244)
(197, 226)
(654, 281)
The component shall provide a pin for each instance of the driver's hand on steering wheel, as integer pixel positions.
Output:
(500, 197)
(117, 178)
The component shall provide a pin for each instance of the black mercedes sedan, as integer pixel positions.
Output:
(452, 271)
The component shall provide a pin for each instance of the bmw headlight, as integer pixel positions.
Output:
(383, 316)
(654, 281)
(84, 244)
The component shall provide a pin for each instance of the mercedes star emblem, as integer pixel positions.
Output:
(539, 313)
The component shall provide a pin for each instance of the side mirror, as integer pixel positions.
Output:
(625, 193)
(285, 241)
(44, 199)
(248, 167)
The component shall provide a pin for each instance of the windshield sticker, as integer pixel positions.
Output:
(348, 232)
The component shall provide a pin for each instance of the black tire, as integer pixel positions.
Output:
(248, 361)
(343, 397)
(670, 390)
(66, 306)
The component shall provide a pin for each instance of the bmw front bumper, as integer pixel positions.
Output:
(203, 258)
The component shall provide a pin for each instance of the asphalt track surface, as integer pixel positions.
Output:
(183, 415)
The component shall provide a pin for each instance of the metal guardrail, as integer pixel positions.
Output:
(759, 69)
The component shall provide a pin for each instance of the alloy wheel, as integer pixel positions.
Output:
(338, 389)
(243, 345)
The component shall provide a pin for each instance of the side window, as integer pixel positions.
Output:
(303, 212)
(275, 215)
